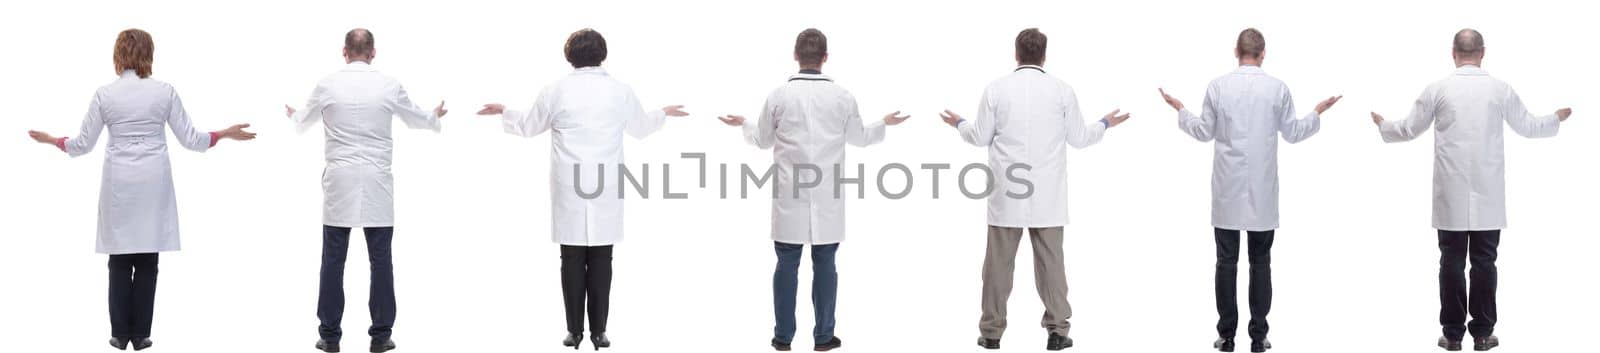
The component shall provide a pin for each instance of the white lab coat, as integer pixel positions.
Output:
(1029, 117)
(587, 112)
(1245, 112)
(138, 206)
(357, 106)
(1468, 111)
(808, 121)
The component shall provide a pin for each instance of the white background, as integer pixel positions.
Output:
(1355, 261)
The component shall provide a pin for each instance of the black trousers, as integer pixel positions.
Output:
(132, 294)
(330, 297)
(1455, 299)
(1227, 282)
(586, 273)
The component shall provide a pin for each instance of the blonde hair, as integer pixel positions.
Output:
(134, 51)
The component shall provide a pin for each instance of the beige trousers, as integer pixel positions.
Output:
(1049, 277)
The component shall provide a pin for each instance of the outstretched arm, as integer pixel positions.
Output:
(305, 118)
(1295, 130)
(1199, 127)
(88, 133)
(644, 123)
(1419, 121)
(762, 133)
(982, 129)
(1528, 125)
(414, 117)
(524, 123)
(1082, 135)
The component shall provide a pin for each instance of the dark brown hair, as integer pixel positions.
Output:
(1251, 44)
(1031, 46)
(134, 51)
(810, 47)
(585, 48)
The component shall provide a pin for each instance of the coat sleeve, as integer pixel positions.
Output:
(857, 133)
(178, 121)
(1079, 134)
(763, 132)
(88, 133)
(1525, 123)
(1203, 127)
(1295, 130)
(311, 113)
(1419, 121)
(982, 129)
(531, 122)
(642, 123)
(414, 117)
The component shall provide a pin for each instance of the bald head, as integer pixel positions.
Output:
(359, 45)
(1467, 48)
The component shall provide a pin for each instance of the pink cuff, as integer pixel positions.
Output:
(62, 144)
(214, 136)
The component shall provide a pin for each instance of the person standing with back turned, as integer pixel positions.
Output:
(807, 122)
(1468, 112)
(138, 205)
(587, 113)
(1027, 119)
(357, 107)
(1245, 112)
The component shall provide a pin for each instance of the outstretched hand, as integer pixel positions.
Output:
(1176, 105)
(1377, 119)
(950, 118)
(1322, 107)
(894, 118)
(492, 109)
(439, 112)
(1563, 113)
(41, 137)
(237, 132)
(674, 110)
(732, 120)
(288, 111)
(1112, 119)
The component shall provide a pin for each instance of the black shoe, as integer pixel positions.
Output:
(989, 343)
(1453, 345)
(1224, 344)
(119, 343)
(600, 341)
(1485, 343)
(382, 346)
(780, 346)
(830, 345)
(327, 346)
(1057, 342)
(140, 343)
(1260, 346)
(573, 340)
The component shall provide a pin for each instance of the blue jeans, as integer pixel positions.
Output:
(824, 289)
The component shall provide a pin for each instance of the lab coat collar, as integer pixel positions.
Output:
(130, 74)
(595, 70)
(358, 66)
(1471, 70)
(809, 75)
(1249, 69)
(1034, 67)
